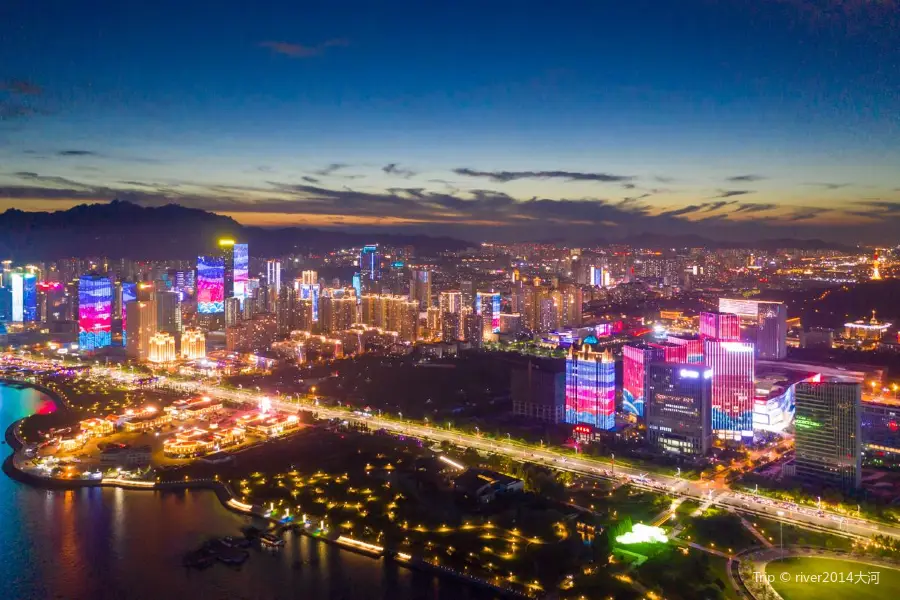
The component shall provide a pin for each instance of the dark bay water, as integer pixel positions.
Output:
(111, 543)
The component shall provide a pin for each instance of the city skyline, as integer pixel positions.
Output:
(741, 120)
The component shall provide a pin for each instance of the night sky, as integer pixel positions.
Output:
(528, 120)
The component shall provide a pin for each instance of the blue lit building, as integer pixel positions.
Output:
(369, 264)
(590, 388)
(95, 295)
(210, 284)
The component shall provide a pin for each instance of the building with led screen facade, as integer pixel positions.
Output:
(880, 430)
(23, 294)
(679, 413)
(693, 345)
(227, 248)
(733, 389)
(724, 327)
(241, 256)
(487, 306)
(95, 300)
(828, 434)
(311, 292)
(129, 294)
(635, 360)
(767, 318)
(369, 266)
(210, 285)
(590, 388)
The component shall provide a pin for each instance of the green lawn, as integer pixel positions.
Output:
(798, 536)
(794, 589)
(718, 529)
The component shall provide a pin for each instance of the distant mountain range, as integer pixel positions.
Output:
(123, 229)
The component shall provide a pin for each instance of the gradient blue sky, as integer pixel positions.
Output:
(749, 118)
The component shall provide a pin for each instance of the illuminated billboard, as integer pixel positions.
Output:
(129, 294)
(210, 284)
(241, 270)
(94, 312)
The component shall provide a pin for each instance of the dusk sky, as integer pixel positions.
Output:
(485, 120)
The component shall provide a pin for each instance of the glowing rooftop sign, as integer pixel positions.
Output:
(643, 534)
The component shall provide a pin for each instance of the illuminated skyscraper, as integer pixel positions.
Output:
(636, 359)
(94, 312)
(227, 248)
(591, 388)
(17, 290)
(724, 327)
(692, 344)
(678, 407)
(420, 288)
(273, 274)
(370, 267)
(733, 389)
(241, 257)
(311, 292)
(487, 306)
(29, 297)
(827, 433)
(768, 319)
(309, 277)
(128, 290)
(210, 285)
(232, 311)
(141, 319)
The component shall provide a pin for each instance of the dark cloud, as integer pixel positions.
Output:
(731, 193)
(21, 86)
(309, 179)
(830, 186)
(76, 153)
(506, 176)
(629, 186)
(332, 168)
(302, 51)
(752, 207)
(744, 178)
(395, 169)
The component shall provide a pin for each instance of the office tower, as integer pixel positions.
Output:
(186, 283)
(5, 304)
(193, 344)
(226, 247)
(273, 274)
(733, 389)
(168, 313)
(827, 433)
(232, 311)
(211, 285)
(25, 306)
(678, 407)
(636, 359)
(370, 267)
(309, 278)
(420, 288)
(538, 391)
(128, 293)
(94, 312)
(17, 289)
(693, 345)
(590, 388)
(162, 348)
(51, 301)
(724, 327)
(141, 320)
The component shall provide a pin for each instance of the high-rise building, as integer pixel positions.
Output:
(590, 388)
(467, 292)
(571, 302)
(287, 299)
(226, 246)
(273, 274)
(678, 407)
(233, 311)
(141, 326)
(162, 348)
(168, 313)
(768, 320)
(193, 344)
(241, 270)
(420, 288)
(733, 389)
(211, 285)
(487, 306)
(538, 391)
(370, 267)
(337, 313)
(511, 324)
(724, 327)
(311, 292)
(450, 302)
(94, 312)
(693, 345)
(451, 329)
(636, 359)
(309, 277)
(433, 321)
(827, 433)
